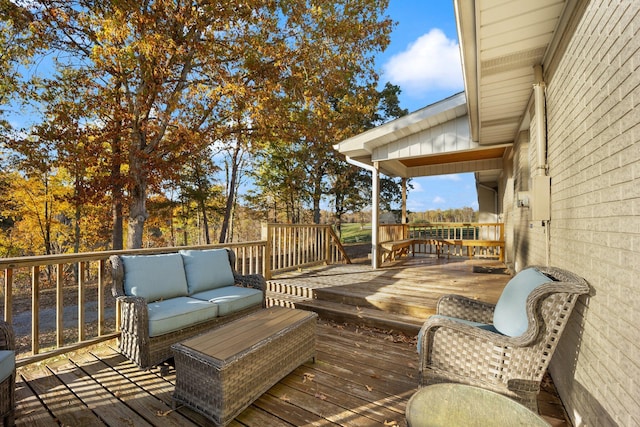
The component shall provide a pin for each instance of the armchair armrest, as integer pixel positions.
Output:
(462, 350)
(7, 338)
(465, 308)
(134, 317)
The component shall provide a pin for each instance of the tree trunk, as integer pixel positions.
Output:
(117, 240)
(317, 197)
(138, 207)
(232, 194)
(205, 221)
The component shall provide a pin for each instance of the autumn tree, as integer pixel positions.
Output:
(159, 68)
(350, 185)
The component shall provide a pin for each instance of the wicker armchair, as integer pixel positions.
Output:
(460, 344)
(150, 351)
(7, 384)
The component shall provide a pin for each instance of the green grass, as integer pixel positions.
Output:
(356, 233)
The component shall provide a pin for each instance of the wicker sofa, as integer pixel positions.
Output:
(7, 374)
(504, 347)
(168, 298)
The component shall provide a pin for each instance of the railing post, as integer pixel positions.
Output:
(35, 309)
(267, 237)
(327, 239)
(101, 302)
(59, 305)
(8, 295)
(81, 267)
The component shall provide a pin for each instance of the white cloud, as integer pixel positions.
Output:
(453, 177)
(417, 187)
(438, 200)
(431, 62)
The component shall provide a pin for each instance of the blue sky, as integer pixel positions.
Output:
(424, 60)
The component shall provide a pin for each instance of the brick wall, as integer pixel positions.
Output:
(593, 115)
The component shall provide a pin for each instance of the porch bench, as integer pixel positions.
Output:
(167, 298)
(393, 249)
(470, 244)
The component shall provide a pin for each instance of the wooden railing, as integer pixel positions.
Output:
(59, 303)
(291, 246)
(442, 230)
(454, 238)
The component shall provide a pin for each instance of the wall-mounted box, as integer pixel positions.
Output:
(541, 198)
(523, 199)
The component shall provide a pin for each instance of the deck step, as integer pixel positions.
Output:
(362, 316)
(283, 300)
(275, 287)
(413, 306)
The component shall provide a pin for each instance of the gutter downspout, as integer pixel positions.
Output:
(541, 141)
(375, 203)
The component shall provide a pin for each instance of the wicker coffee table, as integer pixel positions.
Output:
(221, 372)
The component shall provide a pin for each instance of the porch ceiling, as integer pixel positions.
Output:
(431, 141)
(500, 43)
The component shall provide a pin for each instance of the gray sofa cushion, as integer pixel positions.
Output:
(230, 299)
(7, 363)
(177, 313)
(207, 269)
(154, 277)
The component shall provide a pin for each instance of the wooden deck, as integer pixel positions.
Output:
(362, 376)
(399, 296)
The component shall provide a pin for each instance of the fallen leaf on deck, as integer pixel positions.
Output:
(285, 398)
(321, 396)
(163, 413)
(391, 423)
(369, 388)
(307, 377)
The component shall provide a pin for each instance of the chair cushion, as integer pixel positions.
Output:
(154, 277)
(510, 314)
(230, 299)
(177, 313)
(207, 269)
(7, 363)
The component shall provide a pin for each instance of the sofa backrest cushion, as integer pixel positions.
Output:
(207, 269)
(7, 363)
(510, 314)
(154, 277)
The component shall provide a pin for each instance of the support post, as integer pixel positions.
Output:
(375, 208)
(375, 217)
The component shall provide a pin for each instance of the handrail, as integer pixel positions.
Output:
(291, 246)
(443, 230)
(479, 238)
(47, 279)
(338, 244)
